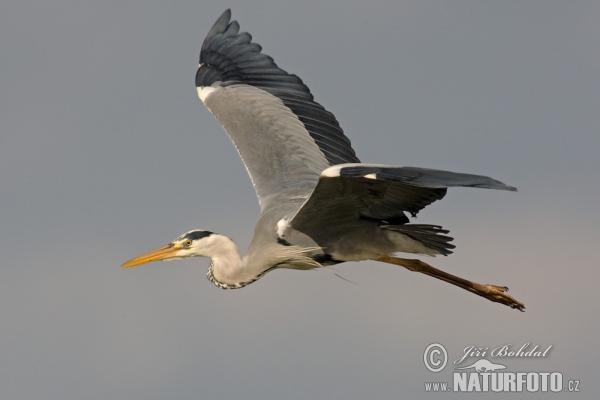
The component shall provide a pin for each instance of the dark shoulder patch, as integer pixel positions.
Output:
(283, 242)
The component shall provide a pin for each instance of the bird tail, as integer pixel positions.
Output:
(432, 236)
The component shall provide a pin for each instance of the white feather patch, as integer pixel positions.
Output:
(371, 176)
(332, 172)
(281, 227)
(204, 92)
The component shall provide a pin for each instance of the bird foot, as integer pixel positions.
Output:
(499, 295)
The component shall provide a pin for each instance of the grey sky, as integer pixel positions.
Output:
(106, 152)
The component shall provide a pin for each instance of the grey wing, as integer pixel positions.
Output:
(284, 137)
(350, 192)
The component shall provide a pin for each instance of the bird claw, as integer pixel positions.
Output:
(499, 295)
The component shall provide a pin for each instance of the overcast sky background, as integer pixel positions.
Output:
(106, 152)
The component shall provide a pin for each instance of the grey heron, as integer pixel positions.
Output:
(320, 205)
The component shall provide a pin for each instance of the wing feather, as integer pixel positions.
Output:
(270, 139)
(346, 193)
(229, 58)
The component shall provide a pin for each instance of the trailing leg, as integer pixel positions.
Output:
(490, 292)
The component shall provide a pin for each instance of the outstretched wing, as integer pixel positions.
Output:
(284, 137)
(349, 192)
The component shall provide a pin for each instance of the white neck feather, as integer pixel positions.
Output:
(226, 259)
(229, 271)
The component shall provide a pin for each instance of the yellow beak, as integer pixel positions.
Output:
(162, 253)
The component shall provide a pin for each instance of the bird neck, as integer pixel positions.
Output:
(226, 268)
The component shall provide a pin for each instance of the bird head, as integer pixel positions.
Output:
(196, 243)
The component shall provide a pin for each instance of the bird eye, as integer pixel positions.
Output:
(188, 243)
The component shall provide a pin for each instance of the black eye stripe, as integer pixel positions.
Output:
(197, 235)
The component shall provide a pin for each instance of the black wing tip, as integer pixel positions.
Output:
(417, 176)
(496, 185)
(220, 24)
(224, 19)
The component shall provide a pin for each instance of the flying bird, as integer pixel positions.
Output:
(320, 205)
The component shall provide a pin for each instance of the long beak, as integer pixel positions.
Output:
(162, 253)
